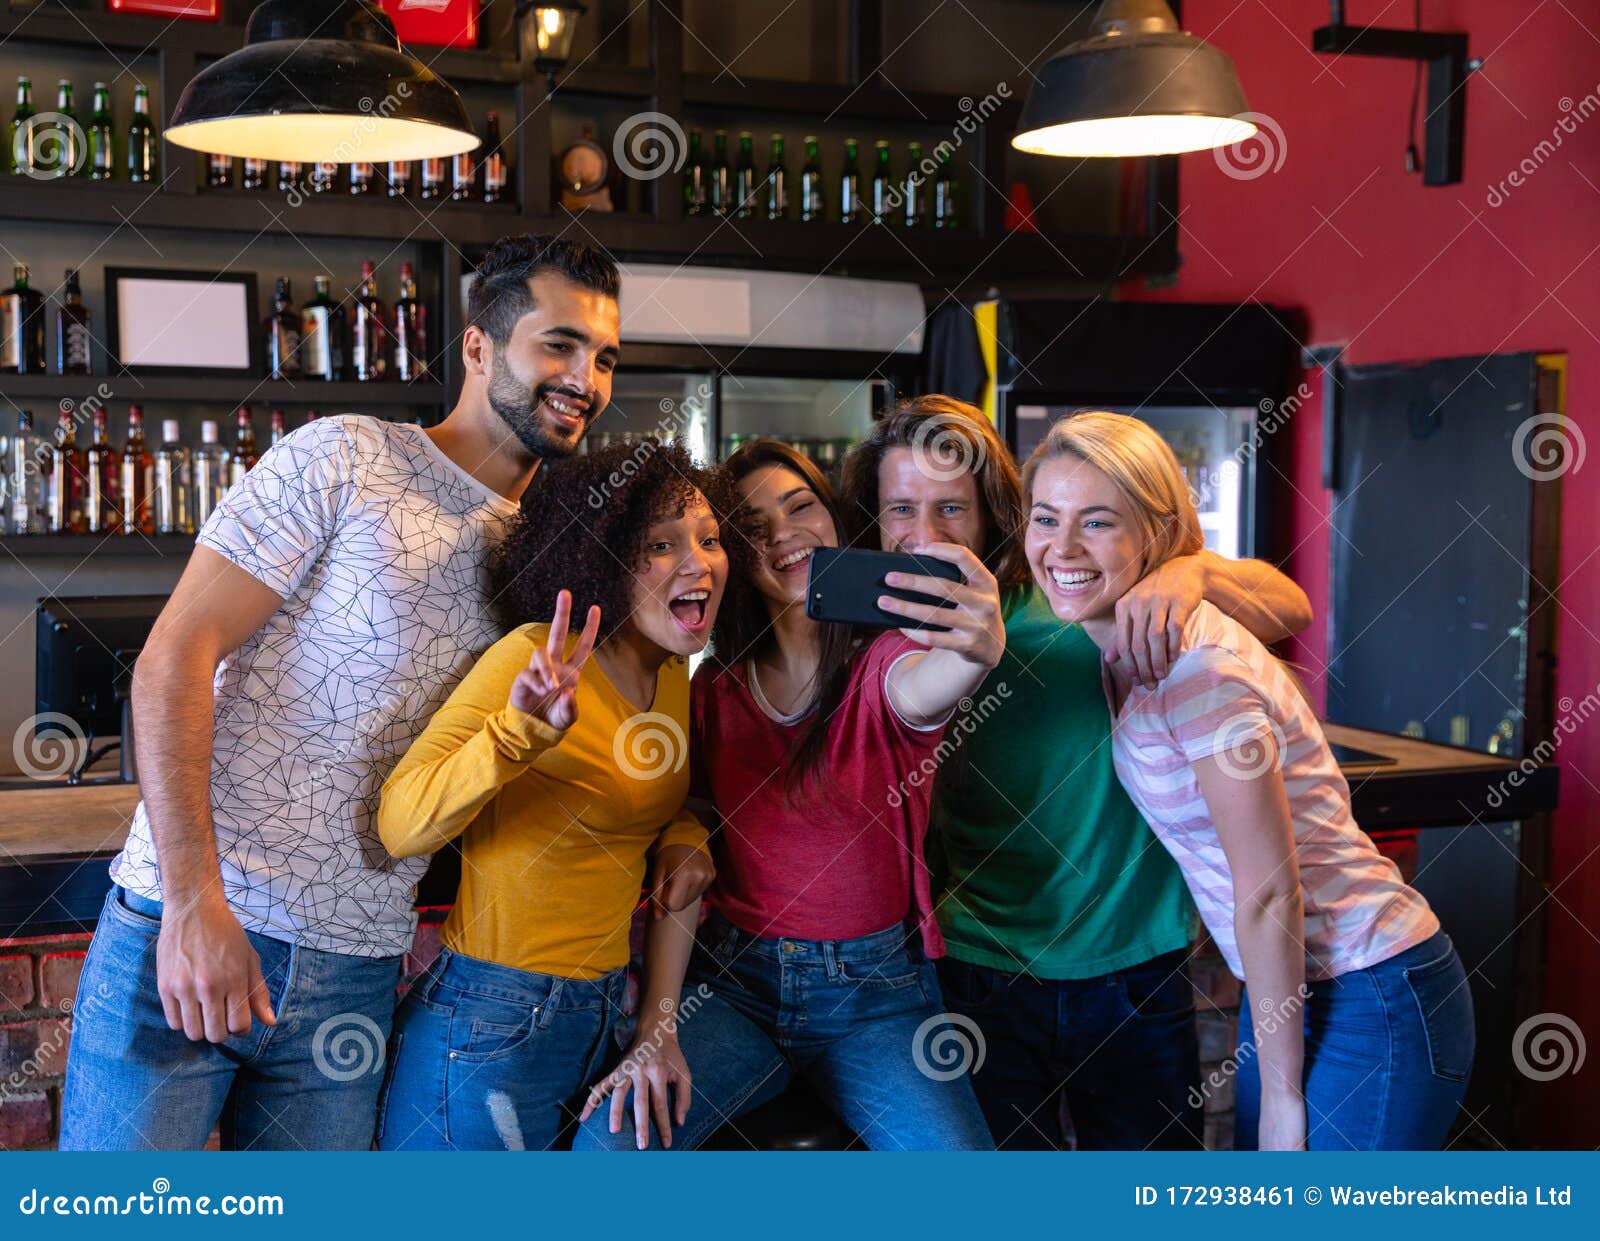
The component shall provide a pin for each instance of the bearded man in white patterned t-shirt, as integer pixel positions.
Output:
(245, 964)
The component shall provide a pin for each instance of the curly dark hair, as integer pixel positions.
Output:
(583, 526)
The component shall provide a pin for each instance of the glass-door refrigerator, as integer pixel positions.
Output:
(1213, 447)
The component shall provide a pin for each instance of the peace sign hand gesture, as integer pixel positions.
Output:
(547, 688)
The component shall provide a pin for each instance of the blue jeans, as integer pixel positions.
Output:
(859, 1018)
(1121, 1048)
(308, 1083)
(487, 1057)
(1387, 1055)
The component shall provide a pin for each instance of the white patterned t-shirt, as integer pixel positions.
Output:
(1227, 697)
(377, 543)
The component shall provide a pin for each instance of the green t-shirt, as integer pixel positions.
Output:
(1045, 866)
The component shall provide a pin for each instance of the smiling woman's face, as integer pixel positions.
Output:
(795, 522)
(678, 586)
(1083, 546)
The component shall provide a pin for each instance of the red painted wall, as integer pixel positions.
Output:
(1394, 270)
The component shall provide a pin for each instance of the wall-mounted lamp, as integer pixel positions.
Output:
(545, 34)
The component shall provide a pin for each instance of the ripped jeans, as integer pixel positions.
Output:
(487, 1057)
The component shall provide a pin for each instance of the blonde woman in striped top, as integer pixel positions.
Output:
(1362, 1035)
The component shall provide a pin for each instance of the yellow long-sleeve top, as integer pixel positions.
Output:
(556, 827)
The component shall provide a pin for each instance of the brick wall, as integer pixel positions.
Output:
(38, 981)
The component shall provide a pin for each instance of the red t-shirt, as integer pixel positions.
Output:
(846, 858)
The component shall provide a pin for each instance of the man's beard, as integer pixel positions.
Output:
(518, 404)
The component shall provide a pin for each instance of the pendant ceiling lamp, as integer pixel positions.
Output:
(1137, 86)
(321, 81)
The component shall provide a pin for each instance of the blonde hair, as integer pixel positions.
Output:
(1142, 465)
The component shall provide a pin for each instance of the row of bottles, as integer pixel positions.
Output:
(321, 340)
(22, 320)
(473, 176)
(927, 193)
(62, 487)
(57, 145)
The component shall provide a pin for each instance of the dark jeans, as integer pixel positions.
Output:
(1121, 1048)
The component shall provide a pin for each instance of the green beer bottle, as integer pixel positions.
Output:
(102, 142)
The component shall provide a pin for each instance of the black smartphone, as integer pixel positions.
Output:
(845, 582)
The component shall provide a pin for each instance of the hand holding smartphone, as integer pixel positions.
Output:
(844, 584)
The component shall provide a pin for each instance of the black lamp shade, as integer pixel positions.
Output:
(321, 82)
(1138, 86)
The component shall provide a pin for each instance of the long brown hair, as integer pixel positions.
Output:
(950, 437)
(743, 629)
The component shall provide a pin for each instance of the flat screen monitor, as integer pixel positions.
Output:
(87, 645)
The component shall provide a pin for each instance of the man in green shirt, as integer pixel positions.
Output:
(1067, 924)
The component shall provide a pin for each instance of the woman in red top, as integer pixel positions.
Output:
(815, 746)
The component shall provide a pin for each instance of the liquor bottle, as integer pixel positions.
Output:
(719, 194)
(275, 429)
(322, 335)
(23, 141)
(172, 483)
(282, 330)
(946, 214)
(100, 507)
(368, 361)
(313, 414)
(744, 179)
(433, 175)
(21, 326)
(72, 330)
(324, 177)
(850, 186)
(209, 474)
(882, 185)
(696, 179)
(916, 194)
(776, 183)
(219, 171)
(496, 175)
(361, 177)
(244, 447)
(464, 177)
(813, 195)
(68, 480)
(399, 178)
(410, 331)
(137, 477)
(102, 141)
(255, 174)
(26, 479)
(66, 135)
(141, 139)
(289, 173)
